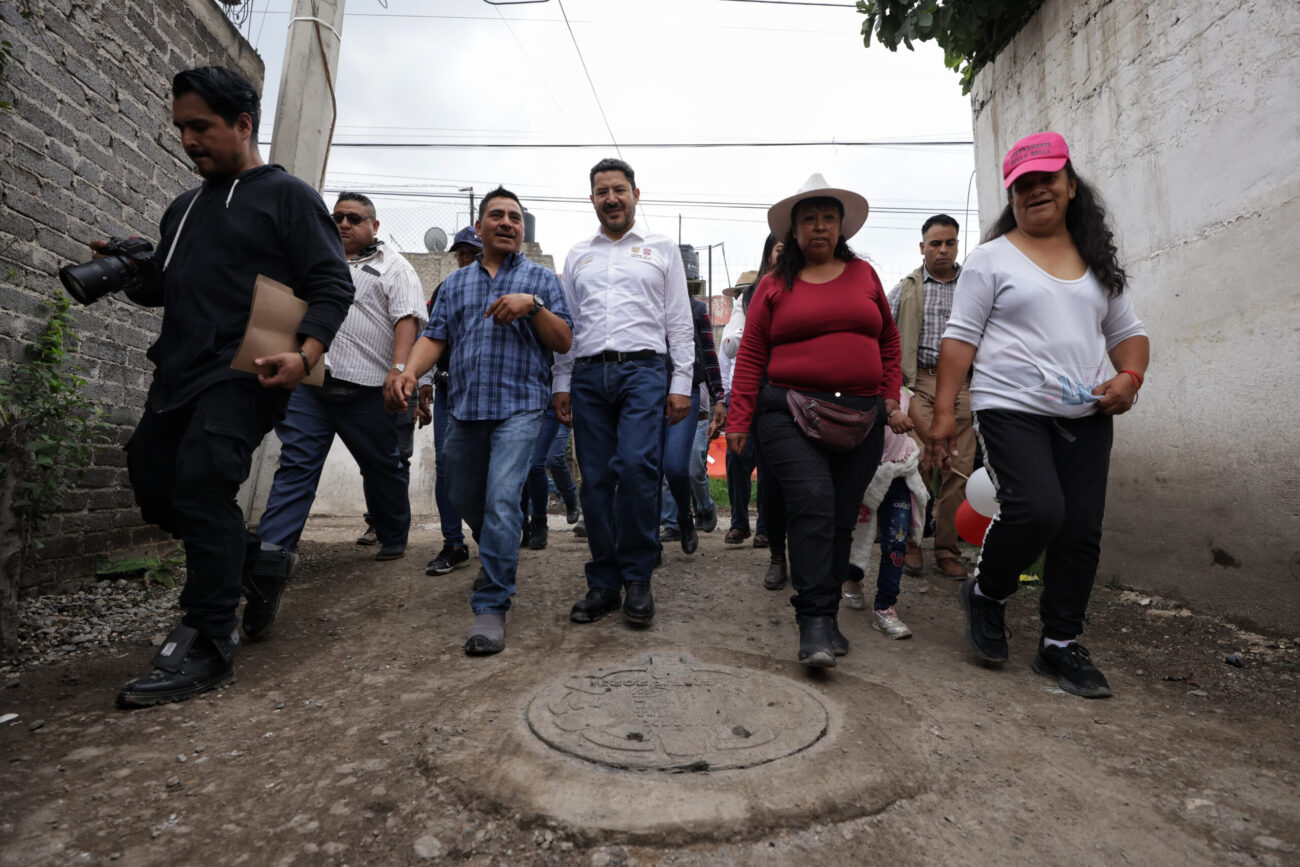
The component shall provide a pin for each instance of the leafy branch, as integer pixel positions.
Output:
(970, 32)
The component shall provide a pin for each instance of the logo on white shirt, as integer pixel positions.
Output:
(645, 254)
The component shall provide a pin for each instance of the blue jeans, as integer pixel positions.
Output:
(552, 443)
(448, 517)
(679, 441)
(740, 471)
(700, 469)
(617, 423)
(893, 524)
(491, 459)
(306, 434)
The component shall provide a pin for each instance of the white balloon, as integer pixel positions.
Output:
(981, 493)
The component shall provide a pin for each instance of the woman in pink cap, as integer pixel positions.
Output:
(1041, 312)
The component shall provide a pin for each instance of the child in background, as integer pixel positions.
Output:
(898, 496)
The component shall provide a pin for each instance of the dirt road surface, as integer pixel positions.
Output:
(360, 734)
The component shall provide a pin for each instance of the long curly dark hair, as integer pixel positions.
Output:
(1085, 218)
(791, 260)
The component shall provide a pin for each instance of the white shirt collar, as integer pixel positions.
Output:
(634, 231)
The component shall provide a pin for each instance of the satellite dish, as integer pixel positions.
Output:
(435, 240)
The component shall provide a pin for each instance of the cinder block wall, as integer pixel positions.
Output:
(88, 151)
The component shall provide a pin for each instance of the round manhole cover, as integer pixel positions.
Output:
(672, 713)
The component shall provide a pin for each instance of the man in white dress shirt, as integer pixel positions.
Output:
(626, 290)
(370, 348)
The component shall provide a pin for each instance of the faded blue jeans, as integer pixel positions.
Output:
(491, 460)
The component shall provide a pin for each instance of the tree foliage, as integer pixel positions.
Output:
(970, 32)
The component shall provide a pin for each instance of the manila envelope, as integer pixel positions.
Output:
(273, 322)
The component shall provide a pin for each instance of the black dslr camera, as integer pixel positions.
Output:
(118, 270)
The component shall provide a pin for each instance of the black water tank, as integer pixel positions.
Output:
(691, 260)
(530, 227)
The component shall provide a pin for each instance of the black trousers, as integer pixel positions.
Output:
(1050, 474)
(186, 466)
(822, 491)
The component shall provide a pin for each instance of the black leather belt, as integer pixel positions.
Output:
(609, 356)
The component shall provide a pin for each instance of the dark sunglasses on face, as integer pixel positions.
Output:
(354, 219)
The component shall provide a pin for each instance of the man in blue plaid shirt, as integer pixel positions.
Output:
(503, 317)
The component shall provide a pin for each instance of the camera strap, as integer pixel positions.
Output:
(181, 227)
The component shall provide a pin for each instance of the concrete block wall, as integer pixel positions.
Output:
(1186, 117)
(88, 151)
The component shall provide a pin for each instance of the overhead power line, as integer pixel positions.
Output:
(659, 145)
(587, 72)
(644, 202)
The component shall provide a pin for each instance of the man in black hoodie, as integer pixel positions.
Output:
(202, 420)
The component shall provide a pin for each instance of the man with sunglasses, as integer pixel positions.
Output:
(368, 352)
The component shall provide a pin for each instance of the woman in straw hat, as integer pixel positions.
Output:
(819, 328)
(1039, 310)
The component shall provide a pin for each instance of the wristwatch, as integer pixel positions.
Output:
(538, 304)
(400, 367)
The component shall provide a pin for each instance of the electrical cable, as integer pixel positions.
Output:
(583, 61)
(896, 145)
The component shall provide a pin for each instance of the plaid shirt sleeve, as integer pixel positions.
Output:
(708, 352)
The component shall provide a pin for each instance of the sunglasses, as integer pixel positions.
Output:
(354, 219)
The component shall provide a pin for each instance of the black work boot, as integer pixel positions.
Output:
(265, 577)
(638, 604)
(188, 663)
(839, 643)
(599, 602)
(816, 645)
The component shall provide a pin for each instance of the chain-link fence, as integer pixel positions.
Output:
(419, 226)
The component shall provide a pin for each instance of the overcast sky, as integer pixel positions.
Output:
(668, 71)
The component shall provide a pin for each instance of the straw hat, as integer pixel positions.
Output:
(855, 207)
(742, 284)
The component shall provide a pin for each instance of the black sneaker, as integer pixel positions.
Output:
(452, 556)
(580, 529)
(1073, 669)
(986, 626)
(572, 513)
(669, 534)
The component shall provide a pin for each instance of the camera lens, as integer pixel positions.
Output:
(95, 279)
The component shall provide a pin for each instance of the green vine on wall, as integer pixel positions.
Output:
(48, 429)
(970, 32)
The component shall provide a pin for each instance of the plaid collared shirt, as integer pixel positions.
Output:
(496, 371)
(935, 310)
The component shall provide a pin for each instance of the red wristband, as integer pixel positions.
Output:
(1137, 378)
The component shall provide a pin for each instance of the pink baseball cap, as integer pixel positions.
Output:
(1040, 152)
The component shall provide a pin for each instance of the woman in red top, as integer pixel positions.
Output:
(818, 323)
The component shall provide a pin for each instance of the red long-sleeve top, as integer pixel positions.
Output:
(833, 336)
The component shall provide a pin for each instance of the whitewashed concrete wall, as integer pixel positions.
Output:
(1186, 116)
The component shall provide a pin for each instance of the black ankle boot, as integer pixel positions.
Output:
(638, 604)
(816, 646)
(188, 663)
(689, 538)
(839, 644)
(265, 577)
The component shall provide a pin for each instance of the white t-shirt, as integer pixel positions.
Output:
(1042, 343)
